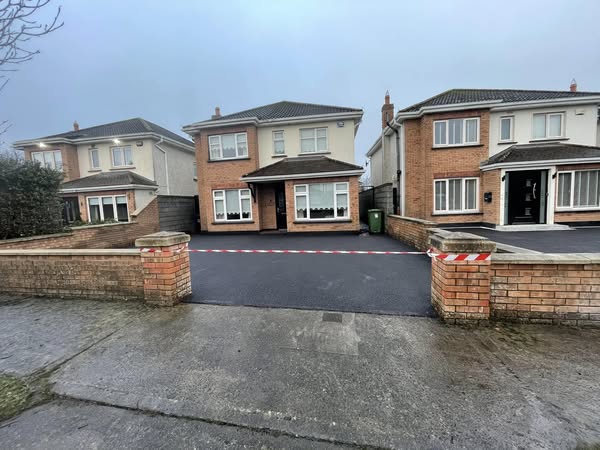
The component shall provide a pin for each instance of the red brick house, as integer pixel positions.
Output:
(284, 166)
(496, 158)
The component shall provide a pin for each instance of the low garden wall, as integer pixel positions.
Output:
(414, 232)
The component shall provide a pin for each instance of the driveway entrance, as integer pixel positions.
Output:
(388, 284)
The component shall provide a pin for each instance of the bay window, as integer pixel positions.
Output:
(579, 189)
(232, 205)
(313, 140)
(548, 125)
(122, 156)
(108, 208)
(50, 159)
(228, 146)
(456, 132)
(321, 201)
(456, 195)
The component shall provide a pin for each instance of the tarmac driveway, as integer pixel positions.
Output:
(388, 284)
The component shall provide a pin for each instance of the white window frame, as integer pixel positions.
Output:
(218, 140)
(571, 206)
(464, 142)
(241, 197)
(511, 137)
(306, 194)
(49, 152)
(547, 125)
(463, 196)
(315, 139)
(114, 205)
(121, 148)
(90, 151)
(282, 139)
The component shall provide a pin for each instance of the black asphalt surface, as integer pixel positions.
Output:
(579, 240)
(385, 284)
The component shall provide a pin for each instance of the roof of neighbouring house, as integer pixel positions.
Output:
(120, 128)
(107, 179)
(554, 151)
(303, 165)
(458, 96)
(284, 109)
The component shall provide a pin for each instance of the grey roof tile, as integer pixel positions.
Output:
(284, 109)
(106, 179)
(301, 165)
(542, 152)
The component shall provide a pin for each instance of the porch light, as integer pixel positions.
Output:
(116, 141)
(41, 145)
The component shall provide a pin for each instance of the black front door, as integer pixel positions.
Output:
(280, 207)
(526, 197)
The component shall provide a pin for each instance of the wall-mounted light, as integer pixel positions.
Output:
(487, 197)
(116, 141)
(42, 145)
(139, 143)
(340, 124)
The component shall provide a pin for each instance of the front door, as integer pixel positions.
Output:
(527, 197)
(280, 207)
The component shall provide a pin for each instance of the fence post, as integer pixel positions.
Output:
(460, 290)
(166, 265)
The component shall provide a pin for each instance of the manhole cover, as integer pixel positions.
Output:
(332, 317)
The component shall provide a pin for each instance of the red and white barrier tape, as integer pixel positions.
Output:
(444, 256)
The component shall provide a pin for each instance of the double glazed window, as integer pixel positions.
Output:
(121, 156)
(113, 207)
(320, 201)
(506, 128)
(313, 140)
(94, 158)
(228, 146)
(50, 159)
(232, 205)
(454, 132)
(278, 143)
(579, 189)
(456, 195)
(548, 126)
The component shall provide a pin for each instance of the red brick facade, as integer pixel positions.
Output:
(68, 152)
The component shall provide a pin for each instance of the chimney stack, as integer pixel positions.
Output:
(75, 126)
(387, 110)
(573, 87)
(217, 113)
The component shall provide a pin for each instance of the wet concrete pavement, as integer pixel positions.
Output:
(343, 378)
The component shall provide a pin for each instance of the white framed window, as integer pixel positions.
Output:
(548, 125)
(232, 205)
(455, 132)
(278, 143)
(322, 201)
(228, 146)
(313, 140)
(108, 207)
(122, 156)
(506, 128)
(578, 189)
(94, 158)
(51, 159)
(456, 195)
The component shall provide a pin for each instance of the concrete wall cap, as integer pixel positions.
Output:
(70, 252)
(459, 242)
(546, 258)
(162, 239)
(413, 219)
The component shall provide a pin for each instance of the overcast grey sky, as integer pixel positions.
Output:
(172, 62)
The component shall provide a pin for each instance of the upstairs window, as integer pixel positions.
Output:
(548, 125)
(313, 140)
(50, 159)
(94, 158)
(121, 156)
(456, 132)
(228, 146)
(506, 129)
(579, 189)
(278, 143)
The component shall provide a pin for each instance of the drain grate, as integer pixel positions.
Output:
(332, 317)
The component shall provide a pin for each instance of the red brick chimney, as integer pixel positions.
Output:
(217, 113)
(573, 87)
(75, 126)
(387, 111)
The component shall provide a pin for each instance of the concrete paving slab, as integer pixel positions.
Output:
(367, 379)
(38, 334)
(78, 425)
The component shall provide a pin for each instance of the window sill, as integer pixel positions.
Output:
(576, 210)
(282, 155)
(447, 147)
(95, 170)
(314, 153)
(228, 160)
(507, 142)
(317, 221)
(122, 168)
(232, 222)
(456, 213)
(549, 139)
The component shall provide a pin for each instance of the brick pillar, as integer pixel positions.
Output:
(460, 290)
(167, 276)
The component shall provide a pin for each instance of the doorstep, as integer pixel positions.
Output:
(533, 227)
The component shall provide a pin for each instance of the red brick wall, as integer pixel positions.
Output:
(559, 293)
(69, 158)
(118, 235)
(423, 164)
(110, 275)
(412, 231)
(491, 182)
(224, 175)
(353, 224)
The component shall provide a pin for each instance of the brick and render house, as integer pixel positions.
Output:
(284, 166)
(113, 170)
(496, 158)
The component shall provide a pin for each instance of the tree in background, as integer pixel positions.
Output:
(30, 203)
(19, 25)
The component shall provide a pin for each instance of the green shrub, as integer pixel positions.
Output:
(30, 203)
